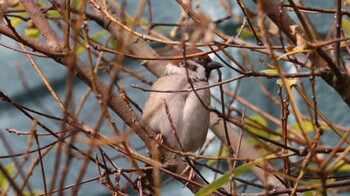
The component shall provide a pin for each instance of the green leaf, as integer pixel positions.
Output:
(32, 32)
(113, 43)
(289, 82)
(16, 20)
(256, 123)
(244, 168)
(33, 192)
(216, 184)
(245, 33)
(8, 169)
(311, 193)
(346, 26)
(81, 48)
(340, 166)
(98, 35)
(270, 71)
(295, 126)
(76, 3)
(294, 51)
(345, 167)
(252, 141)
(53, 13)
(309, 127)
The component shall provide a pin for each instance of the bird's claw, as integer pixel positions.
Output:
(159, 139)
(191, 174)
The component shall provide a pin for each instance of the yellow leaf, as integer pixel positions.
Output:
(76, 3)
(289, 82)
(245, 33)
(3, 180)
(256, 124)
(297, 49)
(79, 49)
(53, 13)
(32, 32)
(16, 20)
(346, 26)
(270, 71)
(98, 35)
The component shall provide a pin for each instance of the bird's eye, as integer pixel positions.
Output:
(182, 64)
(199, 59)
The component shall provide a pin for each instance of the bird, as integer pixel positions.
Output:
(178, 115)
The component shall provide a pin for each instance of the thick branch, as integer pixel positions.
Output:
(52, 39)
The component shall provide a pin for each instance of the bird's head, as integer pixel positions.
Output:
(197, 67)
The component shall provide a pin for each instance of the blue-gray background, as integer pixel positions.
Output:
(14, 64)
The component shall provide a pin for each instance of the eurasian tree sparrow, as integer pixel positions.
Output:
(183, 112)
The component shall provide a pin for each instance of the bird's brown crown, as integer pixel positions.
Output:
(201, 59)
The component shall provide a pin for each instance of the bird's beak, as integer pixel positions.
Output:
(213, 65)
